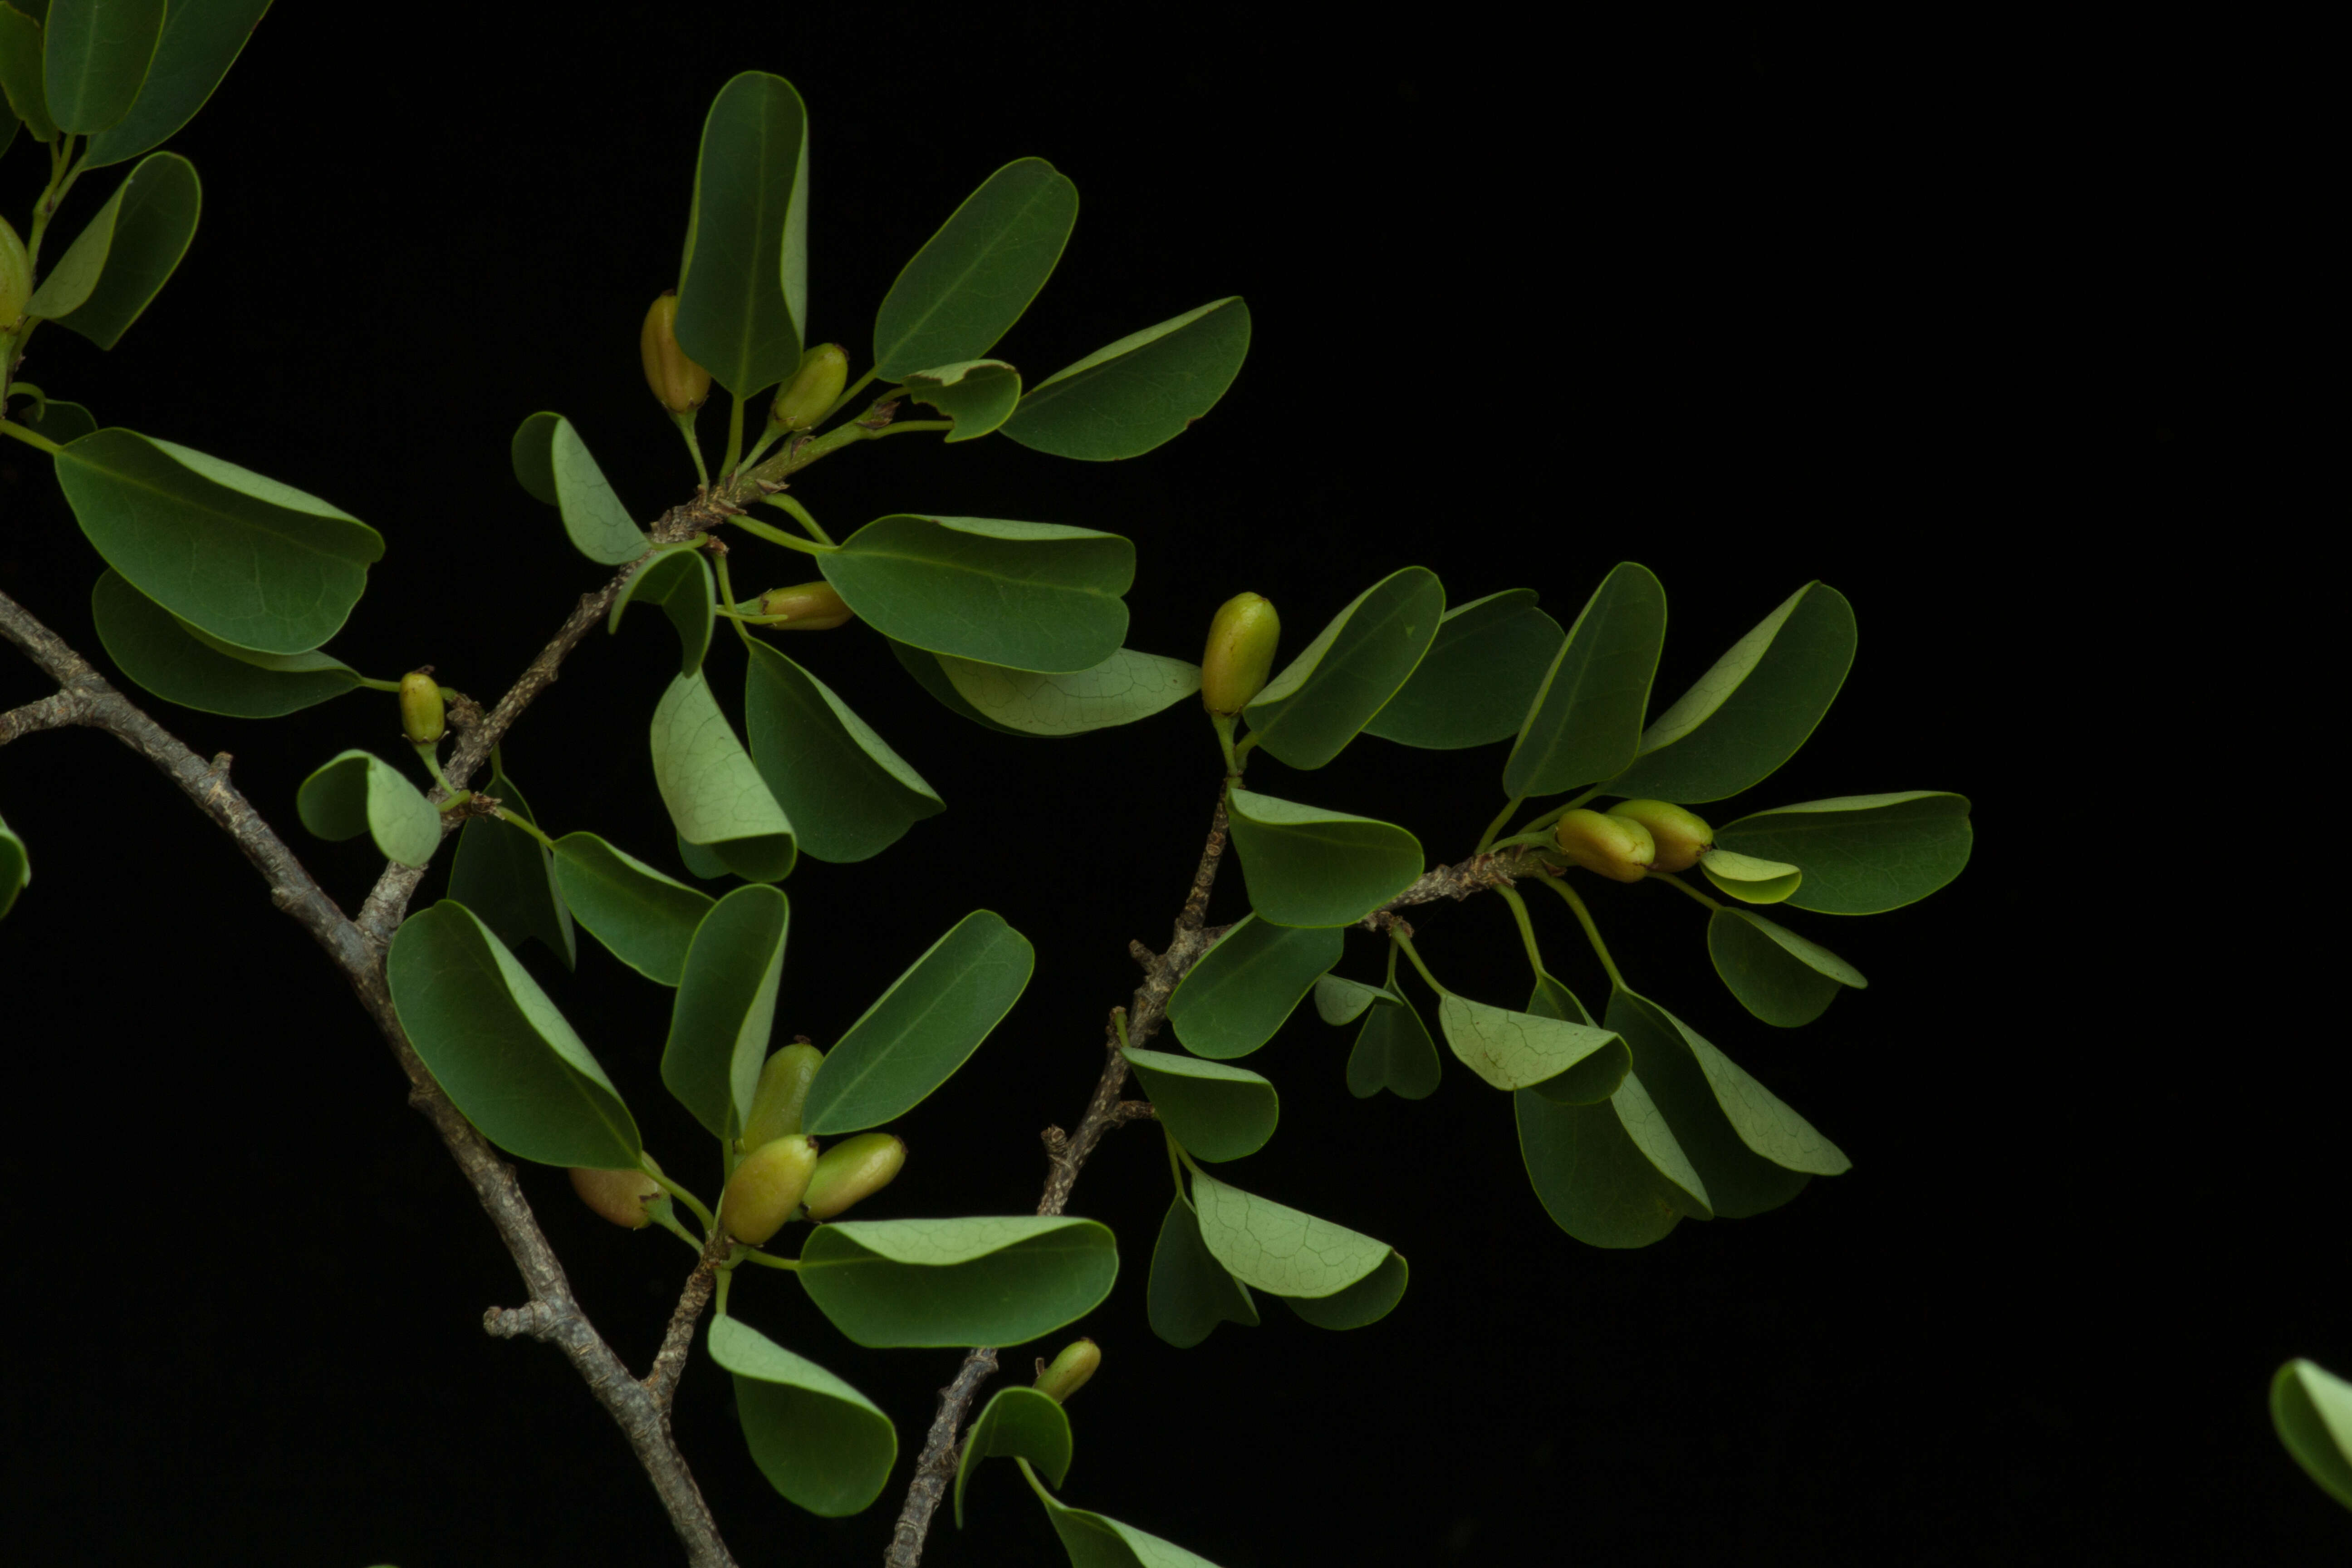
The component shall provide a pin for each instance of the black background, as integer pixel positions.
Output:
(1750, 307)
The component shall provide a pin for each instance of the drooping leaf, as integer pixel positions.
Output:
(1339, 1000)
(1861, 854)
(920, 1030)
(21, 47)
(725, 1008)
(1027, 596)
(1307, 867)
(849, 796)
(357, 792)
(820, 1442)
(167, 657)
(1778, 975)
(1122, 688)
(1126, 397)
(2312, 1409)
(742, 295)
(500, 1049)
(679, 582)
(931, 675)
(1594, 1078)
(1585, 722)
(1191, 1293)
(1393, 1051)
(1749, 879)
(250, 561)
(1278, 1248)
(94, 56)
(508, 879)
(984, 1282)
(16, 866)
(1367, 1301)
(1749, 714)
(716, 797)
(121, 260)
(1519, 1050)
(700, 862)
(1308, 713)
(978, 394)
(555, 465)
(973, 278)
(1479, 678)
(1239, 993)
(1215, 1112)
(1597, 1168)
(60, 420)
(201, 40)
(1095, 1540)
(647, 921)
(1017, 1424)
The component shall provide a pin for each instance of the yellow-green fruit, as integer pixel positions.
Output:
(766, 1188)
(1681, 836)
(620, 1196)
(679, 383)
(1240, 653)
(1615, 847)
(16, 277)
(854, 1169)
(782, 1092)
(812, 606)
(824, 371)
(1070, 1371)
(420, 709)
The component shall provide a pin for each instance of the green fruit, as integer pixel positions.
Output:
(679, 383)
(421, 713)
(1615, 847)
(766, 1188)
(16, 277)
(854, 1169)
(1242, 640)
(1070, 1371)
(782, 1094)
(1681, 836)
(811, 606)
(620, 1196)
(811, 393)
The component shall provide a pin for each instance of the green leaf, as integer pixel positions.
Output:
(1594, 1078)
(531, 450)
(1749, 714)
(849, 796)
(1094, 1540)
(1307, 867)
(1393, 1051)
(169, 657)
(1367, 1300)
(16, 868)
(986, 1281)
(1017, 1424)
(1479, 678)
(1518, 1050)
(726, 1008)
(1240, 992)
(715, 795)
(1126, 399)
(1586, 720)
(1122, 688)
(2312, 1409)
(1028, 595)
(500, 1048)
(356, 793)
(9, 123)
(1277, 1249)
(508, 879)
(973, 278)
(1777, 974)
(679, 582)
(822, 1443)
(1609, 1174)
(1215, 1112)
(1340, 1000)
(1308, 713)
(700, 862)
(978, 394)
(919, 1031)
(555, 465)
(647, 921)
(743, 298)
(60, 420)
(931, 675)
(1862, 852)
(123, 259)
(201, 40)
(96, 54)
(21, 47)
(1748, 879)
(252, 562)
(1191, 1293)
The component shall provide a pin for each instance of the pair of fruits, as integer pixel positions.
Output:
(1633, 839)
(681, 385)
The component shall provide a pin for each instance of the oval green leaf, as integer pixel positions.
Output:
(1339, 1000)
(849, 796)
(931, 675)
(250, 561)
(167, 657)
(94, 56)
(1594, 1078)
(1237, 995)
(1122, 688)
(1094, 1540)
(919, 1031)
(16, 868)
(2312, 1409)
(357, 792)
(1278, 1248)
(646, 920)
(1017, 1424)
(1307, 867)
(1750, 713)
(1393, 1051)
(1749, 879)
(201, 40)
(508, 878)
(742, 294)
(978, 394)
(1028, 595)
(1126, 397)
(678, 581)
(1322, 699)
(1777, 974)
(725, 1008)
(555, 465)
(500, 1048)
(20, 72)
(987, 1281)
(1215, 1112)
(1597, 1169)
(1861, 854)
(1585, 722)
(1191, 1293)
(1479, 678)
(1367, 1300)
(822, 1443)
(1518, 1051)
(123, 259)
(716, 798)
(60, 420)
(973, 278)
